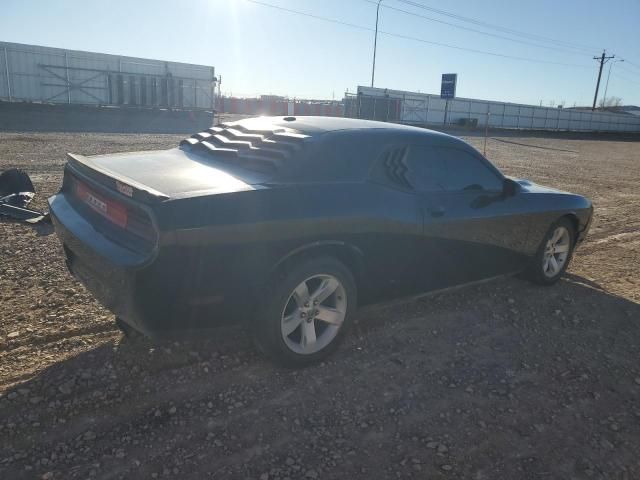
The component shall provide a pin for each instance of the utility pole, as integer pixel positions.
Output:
(602, 59)
(375, 44)
(606, 86)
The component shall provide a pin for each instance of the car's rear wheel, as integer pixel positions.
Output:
(306, 311)
(554, 253)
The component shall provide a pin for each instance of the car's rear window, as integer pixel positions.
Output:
(265, 151)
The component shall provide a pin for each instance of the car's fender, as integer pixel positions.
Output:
(350, 254)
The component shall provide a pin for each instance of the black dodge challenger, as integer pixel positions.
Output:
(290, 223)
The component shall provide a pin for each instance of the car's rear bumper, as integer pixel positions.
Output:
(107, 269)
(150, 292)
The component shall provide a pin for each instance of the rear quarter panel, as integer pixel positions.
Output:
(234, 241)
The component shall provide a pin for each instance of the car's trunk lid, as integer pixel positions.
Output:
(160, 175)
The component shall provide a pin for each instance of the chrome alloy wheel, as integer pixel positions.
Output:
(556, 252)
(313, 314)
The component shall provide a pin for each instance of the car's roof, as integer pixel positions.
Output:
(316, 125)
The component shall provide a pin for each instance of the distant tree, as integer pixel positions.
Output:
(562, 103)
(610, 102)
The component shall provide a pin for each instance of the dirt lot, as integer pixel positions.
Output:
(503, 380)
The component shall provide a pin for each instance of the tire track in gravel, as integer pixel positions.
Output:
(48, 338)
(625, 237)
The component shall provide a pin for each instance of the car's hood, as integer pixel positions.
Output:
(532, 187)
(175, 173)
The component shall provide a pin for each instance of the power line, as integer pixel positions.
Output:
(617, 75)
(501, 28)
(630, 63)
(526, 59)
(498, 27)
(388, 7)
(633, 72)
(311, 15)
(628, 69)
(415, 39)
(562, 43)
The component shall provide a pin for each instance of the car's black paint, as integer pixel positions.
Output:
(224, 230)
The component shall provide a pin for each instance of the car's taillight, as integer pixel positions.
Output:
(139, 224)
(108, 208)
(135, 221)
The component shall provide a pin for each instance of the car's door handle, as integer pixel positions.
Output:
(437, 211)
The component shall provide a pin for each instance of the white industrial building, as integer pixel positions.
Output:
(31, 73)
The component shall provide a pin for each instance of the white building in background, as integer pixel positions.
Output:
(32, 73)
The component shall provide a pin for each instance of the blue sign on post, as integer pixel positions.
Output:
(448, 86)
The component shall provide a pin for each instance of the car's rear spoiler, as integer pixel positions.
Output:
(118, 183)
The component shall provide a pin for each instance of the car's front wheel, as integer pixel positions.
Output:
(554, 253)
(306, 312)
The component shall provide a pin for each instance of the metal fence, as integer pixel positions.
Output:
(30, 73)
(426, 109)
(270, 106)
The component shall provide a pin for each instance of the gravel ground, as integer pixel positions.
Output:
(503, 380)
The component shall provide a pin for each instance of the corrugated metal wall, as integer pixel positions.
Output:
(52, 75)
(425, 109)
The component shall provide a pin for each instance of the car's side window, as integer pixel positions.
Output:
(465, 172)
(426, 170)
(340, 157)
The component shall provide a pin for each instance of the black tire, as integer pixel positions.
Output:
(536, 272)
(267, 327)
(15, 180)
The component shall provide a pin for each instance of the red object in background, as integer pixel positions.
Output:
(259, 106)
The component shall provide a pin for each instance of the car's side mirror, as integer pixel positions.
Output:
(510, 187)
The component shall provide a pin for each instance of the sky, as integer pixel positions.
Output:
(259, 49)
